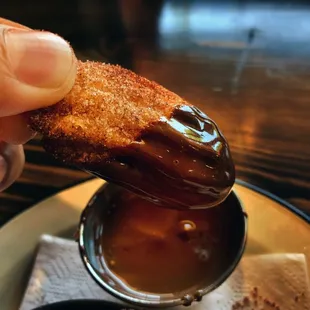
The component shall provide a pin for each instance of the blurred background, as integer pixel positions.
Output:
(245, 63)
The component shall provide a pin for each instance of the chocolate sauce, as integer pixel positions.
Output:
(181, 162)
(160, 250)
(142, 244)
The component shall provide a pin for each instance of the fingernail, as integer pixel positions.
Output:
(3, 169)
(38, 58)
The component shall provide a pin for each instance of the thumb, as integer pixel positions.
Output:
(37, 69)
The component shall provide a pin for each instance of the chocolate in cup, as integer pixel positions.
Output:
(117, 237)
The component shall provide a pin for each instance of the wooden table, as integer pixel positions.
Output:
(253, 81)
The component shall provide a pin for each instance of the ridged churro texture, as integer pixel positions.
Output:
(108, 107)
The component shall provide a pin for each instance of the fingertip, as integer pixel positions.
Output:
(16, 97)
(37, 69)
(15, 130)
(3, 169)
(38, 58)
(13, 160)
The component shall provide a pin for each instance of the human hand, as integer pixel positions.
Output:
(37, 69)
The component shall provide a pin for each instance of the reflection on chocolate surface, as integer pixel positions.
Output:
(182, 162)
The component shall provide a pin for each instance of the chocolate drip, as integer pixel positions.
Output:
(181, 162)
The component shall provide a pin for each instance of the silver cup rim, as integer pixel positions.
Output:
(156, 303)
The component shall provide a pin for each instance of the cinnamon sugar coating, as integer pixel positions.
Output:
(108, 107)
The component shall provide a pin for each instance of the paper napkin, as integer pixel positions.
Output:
(271, 281)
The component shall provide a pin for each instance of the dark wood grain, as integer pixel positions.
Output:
(253, 81)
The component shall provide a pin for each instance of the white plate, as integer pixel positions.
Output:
(273, 228)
